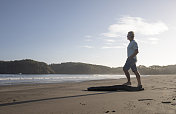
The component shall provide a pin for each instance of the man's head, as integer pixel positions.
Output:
(130, 35)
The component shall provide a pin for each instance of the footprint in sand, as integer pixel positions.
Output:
(174, 104)
(109, 111)
(166, 102)
(14, 100)
(144, 99)
(82, 104)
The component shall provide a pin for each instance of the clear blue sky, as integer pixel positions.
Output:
(89, 31)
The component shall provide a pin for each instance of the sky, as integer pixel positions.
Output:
(88, 31)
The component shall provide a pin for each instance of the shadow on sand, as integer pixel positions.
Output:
(54, 98)
(102, 89)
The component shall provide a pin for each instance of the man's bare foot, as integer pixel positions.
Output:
(127, 83)
(139, 86)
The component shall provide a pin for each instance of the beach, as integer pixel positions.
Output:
(159, 97)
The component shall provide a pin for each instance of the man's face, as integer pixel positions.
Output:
(129, 37)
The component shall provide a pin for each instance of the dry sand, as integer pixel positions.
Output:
(71, 98)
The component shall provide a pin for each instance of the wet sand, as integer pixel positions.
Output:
(159, 97)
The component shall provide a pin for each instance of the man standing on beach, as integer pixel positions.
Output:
(132, 51)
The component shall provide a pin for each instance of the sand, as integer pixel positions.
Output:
(71, 98)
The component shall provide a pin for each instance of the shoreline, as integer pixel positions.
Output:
(39, 79)
(71, 98)
(65, 82)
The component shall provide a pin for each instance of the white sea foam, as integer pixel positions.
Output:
(10, 79)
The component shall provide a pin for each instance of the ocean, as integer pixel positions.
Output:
(13, 79)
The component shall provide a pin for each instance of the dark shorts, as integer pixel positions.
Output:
(130, 63)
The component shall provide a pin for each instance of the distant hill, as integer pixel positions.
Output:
(155, 69)
(28, 66)
(25, 67)
(80, 68)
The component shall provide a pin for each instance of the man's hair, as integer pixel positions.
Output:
(131, 34)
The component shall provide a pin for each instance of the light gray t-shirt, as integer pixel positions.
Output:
(132, 46)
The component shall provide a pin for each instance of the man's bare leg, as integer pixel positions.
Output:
(128, 77)
(138, 77)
